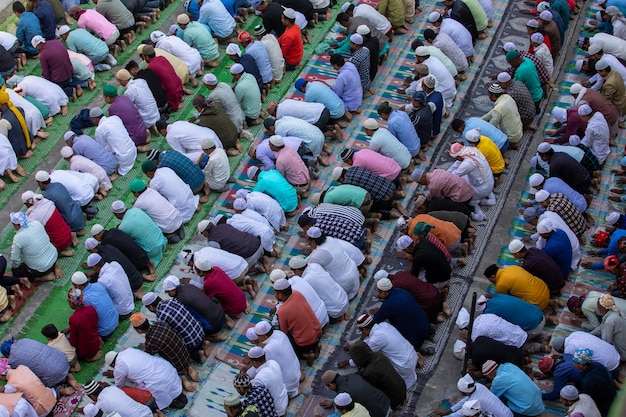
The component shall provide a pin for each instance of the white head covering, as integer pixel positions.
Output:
(297, 262)
(356, 38)
(545, 226)
(471, 408)
(233, 49)
(202, 264)
(575, 88)
(363, 30)
(66, 152)
(277, 274)
(91, 410)
(509, 46)
(93, 259)
(171, 282)
(574, 140)
(473, 135)
(433, 17)
(156, 36)
(536, 37)
(91, 243)
(262, 328)
(209, 79)
(542, 195)
(236, 68)
(466, 384)
(546, 15)
(281, 284)
(79, 278)
(544, 147)
(384, 284)
(118, 206)
(504, 77)
(251, 335)
(560, 114)
(536, 179)
(404, 242)
(584, 110)
(42, 176)
(380, 274)
(343, 399)
(612, 218)
(516, 246)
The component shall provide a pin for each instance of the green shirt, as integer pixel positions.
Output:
(248, 95)
(198, 36)
(345, 195)
(478, 13)
(527, 73)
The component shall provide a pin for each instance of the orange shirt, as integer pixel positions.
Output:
(296, 318)
(447, 232)
(35, 392)
(291, 44)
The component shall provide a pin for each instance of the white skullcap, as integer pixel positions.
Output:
(289, 13)
(463, 319)
(371, 124)
(545, 226)
(536, 37)
(584, 110)
(156, 35)
(544, 5)
(110, 357)
(203, 225)
(262, 328)
(240, 204)
(171, 282)
(404, 242)
(433, 17)
(574, 140)
(66, 152)
(384, 284)
(481, 304)
(575, 88)
(277, 140)
(612, 218)
(297, 262)
(401, 222)
(233, 49)
(544, 147)
(36, 40)
(380, 274)
(42, 176)
(79, 278)
(466, 384)
(91, 243)
(536, 179)
(314, 232)
(209, 79)
(242, 193)
(118, 206)
(93, 259)
(148, 298)
(202, 264)
(422, 51)
(356, 38)
(90, 410)
(560, 114)
(546, 15)
(363, 30)
(504, 77)
(602, 65)
(579, 64)
(516, 246)
(509, 46)
(95, 112)
(63, 30)
(471, 408)
(256, 352)
(336, 173)
(569, 392)
(277, 274)
(252, 170)
(473, 135)
(343, 399)
(594, 48)
(251, 335)
(69, 135)
(217, 218)
(236, 68)
(27, 196)
(541, 196)
(344, 7)
(207, 143)
(281, 285)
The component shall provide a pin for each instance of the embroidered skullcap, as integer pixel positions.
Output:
(544, 5)
(516, 245)
(242, 193)
(473, 135)
(583, 356)
(251, 335)
(36, 40)
(422, 51)
(148, 298)
(343, 399)
(137, 319)
(289, 13)
(240, 204)
(91, 410)
(251, 171)
(91, 243)
(363, 30)
(42, 176)
(544, 147)
(579, 64)
(429, 81)
(537, 37)
(422, 229)
(569, 392)
(171, 282)
(481, 304)
(202, 264)
(329, 376)
(509, 46)
(79, 278)
(584, 110)
(384, 284)
(281, 285)
(612, 218)
(608, 302)
(241, 380)
(380, 274)
(545, 364)
(277, 141)
(542, 195)
(560, 114)
(471, 408)
(536, 179)
(356, 39)
(259, 30)
(575, 89)
(545, 226)
(336, 173)
(233, 49)
(314, 232)
(466, 384)
(91, 387)
(297, 262)
(236, 69)
(109, 358)
(262, 328)
(434, 16)
(232, 400)
(557, 342)
(488, 367)
(370, 123)
(20, 218)
(209, 79)
(574, 140)
(256, 352)
(137, 185)
(66, 152)
(495, 88)
(401, 222)
(404, 242)
(574, 303)
(28, 196)
(546, 15)
(504, 77)
(277, 274)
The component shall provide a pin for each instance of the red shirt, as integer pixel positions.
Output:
(291, 44)
(55, 62)
(219, 285)
(59, 232)
(170, 82)
(84, 332)
(425, 293)
(296, 318)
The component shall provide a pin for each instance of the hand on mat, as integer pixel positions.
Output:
(343, 363)
(107, 374)
(326, 403)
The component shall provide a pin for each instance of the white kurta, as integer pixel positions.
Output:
(217, 170)
(8, 159)
(496, 328)
(139, 93)
(334, 259)
(46, 92)
(278, 348)
(481, 183)
(597, 137)
(487, 5)
(112, 134)
(445, 82)
(308, 111)
(459, 34)
(610, 44)
(251, 214)
(177, 47)
(81, 186)
(488, 402)
(543, 54)
(233, 265)
(269, 375)
(267, 207)
(186, 137)
(248, 225)
(353, 252)
(79, 163)
(585, 405)
(152, 373)
(176, 191)
(277, 61)
(311, 296)
(603, 352)
(114, 279)
(387, 339)
(32, 115)
(113, 398)
(161, 211)
(334, 297)
(559, 223)
(372, 15)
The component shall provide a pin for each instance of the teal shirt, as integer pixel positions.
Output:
(142, 229)
(248, 95)
(520, 392)
(527, 73)
(79, 40)
(198, 35)
(345, 195)
(272, 183)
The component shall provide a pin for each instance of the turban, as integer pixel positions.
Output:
(19, 218)
(4, 99)
(608, 302)
(28, 196)
(456, 149)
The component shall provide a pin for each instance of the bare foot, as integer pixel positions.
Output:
(25, 282)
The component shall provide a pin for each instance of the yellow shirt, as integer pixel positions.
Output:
(62, 344)
(492, 154)
(516, 281)
(4, 300)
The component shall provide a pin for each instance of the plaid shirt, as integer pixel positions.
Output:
(590, 160)
(183, 167)
(544, 76)
(176, 315)
(162, 339)
(339, 227)
(361, 60)
(380, 188)
(564, 207)
(525, 104)
(349, 213)
(262, 399)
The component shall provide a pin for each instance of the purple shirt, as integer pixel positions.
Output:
(124, 108)
(55, 62)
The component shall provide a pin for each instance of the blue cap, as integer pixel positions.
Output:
(300, 82)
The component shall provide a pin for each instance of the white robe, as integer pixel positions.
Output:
(79, 163)
(334, 259)
(278, 348)
(267, 207)
(277, 61)
(603, 352)
(482, 184)
(32, 115)
(261, 230)
(113, 136)
(559, 223)
(269, 375)
(186, 137)
(459, 34)
(387, 339)
(161, 211)
(8, 159)
(82, 186)
(610, 44)
(445, 82)
(597, 137)
(177, 47)
(334, 297)
(233, 265)
(314, 300)
(139, 93)
(46, 92)
(115, 281)
(176, 191)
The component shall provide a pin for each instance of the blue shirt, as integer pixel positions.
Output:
(318, 92)
(272, 183)
(215, 15)
(559, 248)
(612, 249)
(348, 86)
(85, 146)
(520, 392)
(70, 210)
(79, 40)
(183, 167)
(44, 13)
(564, 372)
(515, 310)
(142, 229)
(96, 295)
(437, 99)
(258, 51)
(27, 28)
(557, 185)
(400, 125)
(399, 306)
(486, 129)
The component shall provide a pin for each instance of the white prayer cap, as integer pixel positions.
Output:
(95, 112)
(473, 135)
(384, 284)
(252, 170)
(584, 110)
(344, 7)
(579, 64)
(471, 408)
(240, 204)
(516, 246)
(36, 40)
(27, 196)
(536, 179)
(236, 69)
(509, 46)
(422, 51)
(233, 49)
(356, 38)
(545, 226)
(148, 298)
(289, 13)
(481, 304)
(281, 285)
(343, 399)
(463, 319)
(404, 242)
(118, 206)
(575, 88)
(156, 35)
(277, 140)
(542, 195)
(495, 88)
(601, 65)
(202, 264)
(569, 392)
(363, 30)
(297, 262)
(544, 5)
(251, 335)
(277, 274)
(612, 218)
(91, 243)
(79, 278)
(536, 37)
(171, 282)
(314, 232)
(574, 140)
(262, 328)
(594, 48)
(207, 143)
(336, 173)
(66, 152)
(209, 79)
(543, 147)
(380, 274)
(560, 114)
(69, 135)
(93, 259)
(371, 124)
(63, 30)
(433, 17)
(203, 225)
(242, 193)
(466, 384)
(109, 358)
(42, 176)
(546, 15)
(504, 77)
(401, 222)
(90, 410)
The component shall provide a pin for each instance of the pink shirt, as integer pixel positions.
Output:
(441, 183)
(293, 168)
(94, 21)
(377, 163)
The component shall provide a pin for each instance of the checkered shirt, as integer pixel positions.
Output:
(361, 60)
(564, 207)
(350, 213)
(262, 399)
(590, 160)
(544, 76)
(184, 324)
(525, 104)
(162, 339)
(380, 188)
(183, 167)
(439, 245)
(339, 227)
